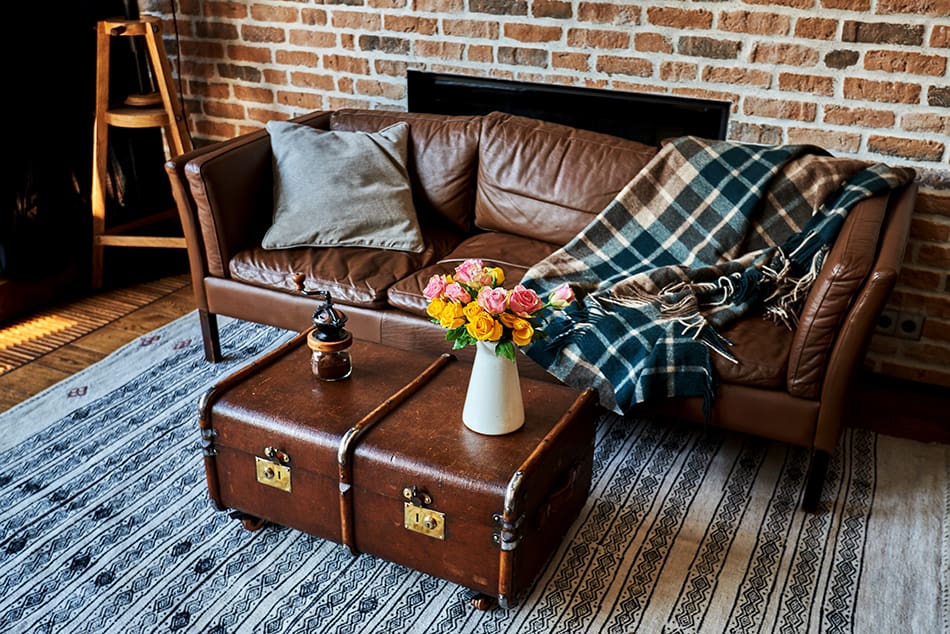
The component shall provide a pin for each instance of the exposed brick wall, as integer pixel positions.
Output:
(863, 78)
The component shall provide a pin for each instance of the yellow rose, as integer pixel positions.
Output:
(497, 275)
(471, 310)
(484, 328)
(451, 316)
(434, 309)
(522, 335)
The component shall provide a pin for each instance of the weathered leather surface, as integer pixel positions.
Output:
(547, 181)
(514, 254)
(442, 158)
(422, 443)
(761, 346)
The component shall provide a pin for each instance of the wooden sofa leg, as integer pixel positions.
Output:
(209, 335)
(815, 481)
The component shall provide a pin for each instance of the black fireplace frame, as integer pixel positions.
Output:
(644, 117)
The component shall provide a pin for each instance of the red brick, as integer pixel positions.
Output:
(438, 6)
(270, 13)
(345, 84)
(789, 54)
(737, 76)
(939, 96)
(558, 9)
(347, 41)
(263, 34)
(779, 109)
(253, 93)
(836, 140)
(905, 62)
(755, 133)
(847, 5)
(410, 24)
(806, 83)
(936, 329)
(522, 56)
(391, 67)
(713, 48)
(470, 28)
(209, 91)
(313, 17)
(933, 201)
(393, 45)
(361, 20)
(533, 33)
(886, 91)
(376, 88)
(346, 64)
(249, 54)
(231, 10)
(480, 53)
(571, 61)
(499, 7)
(940, 36)
(312, 39)
(386, 4)
(864, 117)
(264, 115)
(627, 86)
(337, 103)
(882, 33)
(911, 373)
(841, 59)
(927, 353)
(926, 122)
(923, 279)
(216, 31)
(240, 72)
(608, 13)
(929, 229)
(312, 80)
(816, 28)
(624, 65)
(652, 43)
(758, 23)
(441, 50)
(678, 71)
(597, 39)
(224, 110)
(936, 8)
(914, 149)
(934, 255)
(215, 129)
(797, 4)
(930, 304)
(275, 77)
(680, 18)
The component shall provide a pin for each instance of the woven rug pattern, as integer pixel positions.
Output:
(106, 525)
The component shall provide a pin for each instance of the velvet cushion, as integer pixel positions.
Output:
(336, 188)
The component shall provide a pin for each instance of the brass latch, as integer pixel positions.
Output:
(274, 471)
(418, 518)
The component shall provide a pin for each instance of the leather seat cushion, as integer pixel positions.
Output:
(762, 348)
(355, 276)
(548, 181)
(442, 158)
(514, 254)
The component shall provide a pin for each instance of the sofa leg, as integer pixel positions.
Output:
(209, 335)
(815, 481)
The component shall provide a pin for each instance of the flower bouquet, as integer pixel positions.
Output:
(473, 306)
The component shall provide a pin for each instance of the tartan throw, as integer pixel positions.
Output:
(703, 234)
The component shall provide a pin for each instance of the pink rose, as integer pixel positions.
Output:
(561, 296)
(493, 300)
(435, 287)
(524, 301)
(457, 293)
(469, 271)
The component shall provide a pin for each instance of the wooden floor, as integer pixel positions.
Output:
(889, 406)
(132, 311)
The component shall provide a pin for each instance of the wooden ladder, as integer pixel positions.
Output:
(155, 110)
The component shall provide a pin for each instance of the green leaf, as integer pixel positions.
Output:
(506, 349)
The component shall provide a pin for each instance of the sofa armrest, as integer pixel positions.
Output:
(231, 184)
(865, 246)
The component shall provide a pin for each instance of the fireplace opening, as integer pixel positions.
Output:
(647, 118)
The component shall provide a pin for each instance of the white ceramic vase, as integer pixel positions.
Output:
(493, 404)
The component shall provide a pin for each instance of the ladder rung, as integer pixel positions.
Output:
(107, 240)
(125, 117)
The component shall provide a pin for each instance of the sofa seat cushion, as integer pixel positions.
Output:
(356, 276)
(512, 253)
(548, 181)
(442, 158)
(762, 348)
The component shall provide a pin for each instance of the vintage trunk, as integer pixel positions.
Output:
(382, 463)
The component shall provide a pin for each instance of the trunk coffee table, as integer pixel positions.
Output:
(382, 463)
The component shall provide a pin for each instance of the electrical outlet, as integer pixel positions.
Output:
(909, 326)
(887, 322)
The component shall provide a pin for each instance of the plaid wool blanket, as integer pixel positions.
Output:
(703, 234)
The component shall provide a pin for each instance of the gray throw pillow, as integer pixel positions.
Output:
(342, 188)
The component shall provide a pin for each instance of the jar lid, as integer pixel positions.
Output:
(328, 346)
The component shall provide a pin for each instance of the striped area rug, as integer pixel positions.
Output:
(27, 339)
(106, 526)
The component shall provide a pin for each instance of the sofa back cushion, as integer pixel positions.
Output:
(442, 158)
(547, 181)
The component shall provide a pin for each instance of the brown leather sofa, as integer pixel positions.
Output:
(511, 190)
